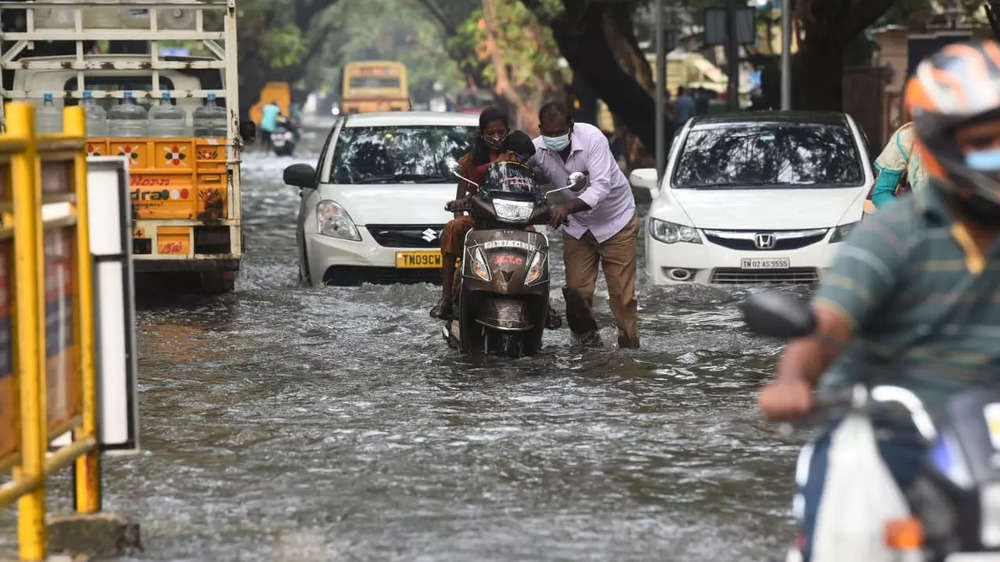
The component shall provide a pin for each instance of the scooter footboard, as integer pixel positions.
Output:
(513, 315)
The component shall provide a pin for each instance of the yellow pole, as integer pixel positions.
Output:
(29, 329)
(88, 471)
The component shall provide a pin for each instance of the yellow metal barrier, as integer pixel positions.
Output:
(47, 370)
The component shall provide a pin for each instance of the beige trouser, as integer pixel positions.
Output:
(617, 257)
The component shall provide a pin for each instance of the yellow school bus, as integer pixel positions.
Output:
(375, 86)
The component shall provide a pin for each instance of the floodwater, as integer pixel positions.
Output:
(289, 423)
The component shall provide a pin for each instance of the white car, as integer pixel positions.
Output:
(373, 209)
(755, 198)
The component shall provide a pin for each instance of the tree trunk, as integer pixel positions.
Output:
(598, 41)
(993, 14)
(819, 67)
(504, 87)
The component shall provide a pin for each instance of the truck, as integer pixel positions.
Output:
(188, 229)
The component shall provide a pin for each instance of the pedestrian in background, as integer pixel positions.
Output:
(899, 167)
(685, 106)
(269, 122)
(601, 225)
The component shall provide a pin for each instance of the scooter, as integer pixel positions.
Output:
(284, 138)
(503, 292)
(954, 504)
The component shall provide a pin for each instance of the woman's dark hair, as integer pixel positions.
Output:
(481, 152)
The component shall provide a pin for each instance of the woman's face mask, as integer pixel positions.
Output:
(494, 139)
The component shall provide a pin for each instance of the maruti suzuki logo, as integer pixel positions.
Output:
(763, 241)
(429, 235)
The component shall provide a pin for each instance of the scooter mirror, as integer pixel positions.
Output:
(577, 181)
(453, 167)
(779, 315)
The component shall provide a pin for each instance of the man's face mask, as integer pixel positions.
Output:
(558, 138)
(557, 143)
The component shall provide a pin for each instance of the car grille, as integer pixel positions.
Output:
(737, 276)
(345, 275)
(407, 235)
(783, 240)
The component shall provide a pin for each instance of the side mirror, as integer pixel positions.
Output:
(577, 181)
(645, 178)
(454, 168)
(779, 315)
(300, 175)
(248, 131)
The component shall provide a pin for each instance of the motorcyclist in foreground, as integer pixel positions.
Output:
(913, 298)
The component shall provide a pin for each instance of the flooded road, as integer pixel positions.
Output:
(290, 423)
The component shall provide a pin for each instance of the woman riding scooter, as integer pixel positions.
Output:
(494, 127)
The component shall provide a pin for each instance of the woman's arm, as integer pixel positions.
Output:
(885, 187)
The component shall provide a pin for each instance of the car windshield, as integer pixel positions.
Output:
(769, 155)
(407, 154)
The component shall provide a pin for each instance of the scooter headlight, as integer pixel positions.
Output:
(479, 266)
(513, 211)
(333, 220)
(536, 268)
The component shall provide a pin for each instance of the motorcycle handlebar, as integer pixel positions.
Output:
(831, 403)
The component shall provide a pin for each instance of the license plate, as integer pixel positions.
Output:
(765, 263)
(992, 414)
(418, 260)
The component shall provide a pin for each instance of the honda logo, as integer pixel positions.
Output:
(429, 235)
(763, 241)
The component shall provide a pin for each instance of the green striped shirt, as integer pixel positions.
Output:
(926, 313)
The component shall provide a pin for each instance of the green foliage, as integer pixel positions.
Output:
(528, 48)
(284, 46)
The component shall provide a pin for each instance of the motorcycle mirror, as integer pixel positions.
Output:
(300, 175)
(779, 315)
(577, 181)
(248, 131)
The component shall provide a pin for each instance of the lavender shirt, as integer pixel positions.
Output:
(608, 194)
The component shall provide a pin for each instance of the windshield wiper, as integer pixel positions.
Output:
(403, 178)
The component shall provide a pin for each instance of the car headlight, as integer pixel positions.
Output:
(479, 266)
(513, 211)
(535, 269)
(334, 221)
(671, 233)
(841, 232)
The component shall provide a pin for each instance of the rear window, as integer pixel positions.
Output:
(769, 155)
(418, 154)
